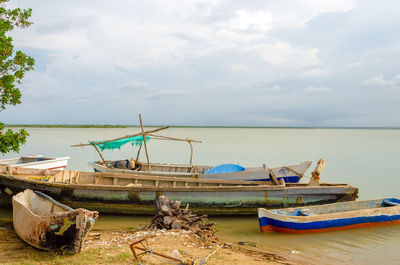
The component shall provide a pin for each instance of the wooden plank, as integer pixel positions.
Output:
(273, 178)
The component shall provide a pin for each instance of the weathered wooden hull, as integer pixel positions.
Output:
(40, 228)
(291, 174)
(214, 200)
(331, 217)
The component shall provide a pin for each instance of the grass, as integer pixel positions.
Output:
(99, 255)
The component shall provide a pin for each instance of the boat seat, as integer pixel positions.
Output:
(305, 212)
(390, 203)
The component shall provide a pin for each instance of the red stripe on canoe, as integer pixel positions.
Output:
(271, 228)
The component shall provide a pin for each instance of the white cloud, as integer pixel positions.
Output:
(381, 81)
(249, 20)
(279, 53)
(316, 72)
(355, 64)
(313, 89)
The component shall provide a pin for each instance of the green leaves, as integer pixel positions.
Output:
(13, 65)
(10, 140)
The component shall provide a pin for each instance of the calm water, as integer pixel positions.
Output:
(367, 159)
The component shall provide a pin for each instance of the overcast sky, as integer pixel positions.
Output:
(245, 63)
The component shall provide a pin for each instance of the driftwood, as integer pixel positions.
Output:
(169, 215)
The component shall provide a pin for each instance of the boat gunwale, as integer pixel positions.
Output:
(62, 214)
(22, 165)
(248, 170)
(330, 189)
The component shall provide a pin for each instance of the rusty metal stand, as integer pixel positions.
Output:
(143, 246)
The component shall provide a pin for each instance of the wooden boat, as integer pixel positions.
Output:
(330, 217)
(135, 194)
(37, 161)
(290, 174)
(47, 224)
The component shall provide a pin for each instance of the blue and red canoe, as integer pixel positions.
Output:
(330, 217)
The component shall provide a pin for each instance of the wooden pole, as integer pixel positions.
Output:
(127, 136)
(101, 156)
(137, 156)
(171, 138)
(191, 151)
(144, 141)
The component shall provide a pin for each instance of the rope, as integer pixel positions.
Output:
(149, 251)
(204, 260)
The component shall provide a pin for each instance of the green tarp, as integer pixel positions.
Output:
(137, 140)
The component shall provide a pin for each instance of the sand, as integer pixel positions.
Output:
(114, 248)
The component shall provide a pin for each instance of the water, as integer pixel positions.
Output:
(364, 158)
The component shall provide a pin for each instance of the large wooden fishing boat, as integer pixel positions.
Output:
(330, 217)
(47, 224)
(135, 194)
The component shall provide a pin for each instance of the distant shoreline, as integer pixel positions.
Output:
(183, 126)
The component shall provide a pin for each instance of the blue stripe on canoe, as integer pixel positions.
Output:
(289, 179)
(264, 221)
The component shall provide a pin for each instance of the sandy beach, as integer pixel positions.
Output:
(113, 247)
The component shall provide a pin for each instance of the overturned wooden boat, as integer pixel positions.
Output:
(330, 217)
(135, 194)
(47, 224)
(37, 161)
(290, 174)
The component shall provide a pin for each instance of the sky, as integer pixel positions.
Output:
(209, 62)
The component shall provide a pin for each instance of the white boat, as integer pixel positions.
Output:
(290, 174)
(37, 161)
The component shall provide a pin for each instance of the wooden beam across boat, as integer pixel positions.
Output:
(123, 137)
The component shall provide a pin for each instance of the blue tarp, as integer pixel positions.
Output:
(225, 168)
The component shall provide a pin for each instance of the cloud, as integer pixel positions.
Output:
(164, 94)
(381, 81)
(312, 89)
(259, 59)
(316, 72)
(279, 53)
(135, 87)
(249, 20)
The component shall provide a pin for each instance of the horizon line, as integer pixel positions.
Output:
(191, 126)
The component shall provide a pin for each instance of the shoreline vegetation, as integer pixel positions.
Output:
(184, 126)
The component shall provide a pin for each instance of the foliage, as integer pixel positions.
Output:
(13, 65)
